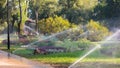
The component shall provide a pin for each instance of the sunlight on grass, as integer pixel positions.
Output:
(56, 60)
(108, 60)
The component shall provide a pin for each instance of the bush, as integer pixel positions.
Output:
(96, 31)
(84, 43)
(68, 44)
(3, 26)
(72, 34)
(53, 25)
(44, 43)
(72, 46)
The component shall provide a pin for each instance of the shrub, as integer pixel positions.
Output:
(96, 31)
(68, 44)
(84, 43)
(44, 43)
(72, 46)
(53, 25)
(72, 34)
(3, 26)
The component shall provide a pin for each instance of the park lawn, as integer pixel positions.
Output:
(54, 58)
(61, 58)
(104, 60)
(66, 58)
(69, 60)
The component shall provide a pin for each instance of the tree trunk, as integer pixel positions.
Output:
(68, 4)
(36, 20)
(13, 22)
(19, 23)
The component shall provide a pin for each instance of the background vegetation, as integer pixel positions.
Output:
(71, 24)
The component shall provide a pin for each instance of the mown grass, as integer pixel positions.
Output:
(105, 60)
(53, 58)
(61, 58)
(67, 58)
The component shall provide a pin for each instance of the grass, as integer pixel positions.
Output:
(54, 58)
(66, 58)
(105, 60)
(49, 58)
(61, 58)
(12, 47)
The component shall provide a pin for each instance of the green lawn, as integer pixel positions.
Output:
(66, 58)
(61, 58)
(52, 58)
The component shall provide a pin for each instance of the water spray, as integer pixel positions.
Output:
(116, 34)
(89, 52)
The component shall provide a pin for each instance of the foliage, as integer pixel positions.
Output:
(3, 26)
(2, 11)
(99, 10)
(72, 33)
(107, 9)
(84, 43)
(53, 25)
(113, 6)
(77, 11)
(45, 8)
(86, 4)
(14, 13)
(72, 46)
(44, 43)
(96, 31)
(74, 10)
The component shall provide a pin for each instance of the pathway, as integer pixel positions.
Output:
(8, 60)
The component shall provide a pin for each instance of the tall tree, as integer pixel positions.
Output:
(77, 11)
(22, 14)
(36, 14)
(43, 9)
(112, 8)
(34, 6)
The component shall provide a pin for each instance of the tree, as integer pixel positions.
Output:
(99, 10)
(42, 9)
(22, 14)
(34, 4)
(67, 3)
(77, 11)
(107, 9)
(112, 8)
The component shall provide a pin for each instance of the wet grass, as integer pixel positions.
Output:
(105, 60)
(54, 57)
(61, 58)
(66, 58)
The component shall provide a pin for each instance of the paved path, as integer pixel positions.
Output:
(8, 60)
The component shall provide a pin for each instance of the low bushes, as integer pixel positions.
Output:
(72, 46)
(97, 31)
